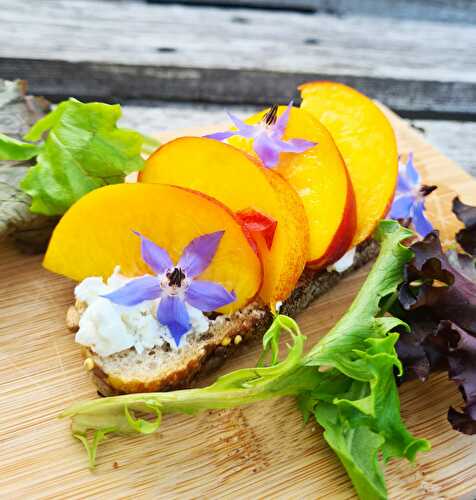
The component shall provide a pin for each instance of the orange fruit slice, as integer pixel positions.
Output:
(367, 142)
(238, 181)
(95, 235)
(320, 178)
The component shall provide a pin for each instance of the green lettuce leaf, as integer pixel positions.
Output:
(117, 414)
(13, 149)
(84, 150)
(358, 404)
(346, 382)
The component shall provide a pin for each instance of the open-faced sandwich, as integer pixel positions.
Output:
(221, 232)
(222, 238)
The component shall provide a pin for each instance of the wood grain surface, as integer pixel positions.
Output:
(259, 451)
(131, 49)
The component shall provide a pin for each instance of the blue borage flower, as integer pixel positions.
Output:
(409, 202)
(267, 136)
(176, 285)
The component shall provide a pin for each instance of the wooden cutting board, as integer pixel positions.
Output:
(262, 450)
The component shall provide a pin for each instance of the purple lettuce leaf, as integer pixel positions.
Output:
(464, 263)
(416, 349)
(438, 301)
(467, 215)
(461, 352)
(431, 281)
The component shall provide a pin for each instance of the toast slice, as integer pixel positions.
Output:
(161, 369)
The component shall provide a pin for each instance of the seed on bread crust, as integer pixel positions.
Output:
(80, 306)
(88, 364)
(72, 318)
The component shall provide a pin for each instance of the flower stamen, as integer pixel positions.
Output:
(426, 190)
(271, 116)
(176, 276)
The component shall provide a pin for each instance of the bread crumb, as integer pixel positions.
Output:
(115, 465)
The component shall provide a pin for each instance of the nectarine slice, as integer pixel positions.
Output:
(320, 177)
(95, 235)
(367, 142)
(231, 176)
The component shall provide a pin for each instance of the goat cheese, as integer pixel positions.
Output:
(108, 328)
(344, 263)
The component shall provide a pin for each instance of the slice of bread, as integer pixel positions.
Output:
(162, 369)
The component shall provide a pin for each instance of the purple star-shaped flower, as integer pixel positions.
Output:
(267, 136)
(176, 285)
(409, 202)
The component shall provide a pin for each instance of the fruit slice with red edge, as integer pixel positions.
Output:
(367, 142)
(320, 177)
(96, 234)
(241, 183)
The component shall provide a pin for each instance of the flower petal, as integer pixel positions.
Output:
(403, 185)
(154, 256)
(282, 121)
(173, 314)
(136, 291)
(295, 145)
(420, 222)
(411, 172)
(208, 296)
(266, 149)
(199, 253)
(401, 207)
(244, 129)
(221, 136)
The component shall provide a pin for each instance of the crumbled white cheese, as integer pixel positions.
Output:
(109, 328)
(344, 263)
(278, 305)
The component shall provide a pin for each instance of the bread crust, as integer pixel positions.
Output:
(240, 329)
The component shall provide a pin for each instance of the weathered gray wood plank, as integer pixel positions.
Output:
(296, 5)
(457, 140)
(135, 50)
(137, 33)
(461, 11)
(151, 118)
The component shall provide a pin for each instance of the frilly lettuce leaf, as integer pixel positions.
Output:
(83, 150)
(466, 237)
(460, 348)
(364, 319)
(360, 408)
(438, 300)
(346, 382)
(433, 283)
(117, 414)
